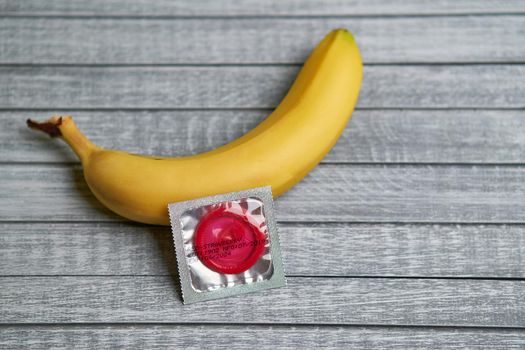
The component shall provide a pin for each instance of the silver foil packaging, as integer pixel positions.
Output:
(226, 245)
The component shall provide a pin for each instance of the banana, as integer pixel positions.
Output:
(279, 152)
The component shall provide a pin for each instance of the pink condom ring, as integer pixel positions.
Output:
(227, 242)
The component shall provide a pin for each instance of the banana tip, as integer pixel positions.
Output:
(345, 33)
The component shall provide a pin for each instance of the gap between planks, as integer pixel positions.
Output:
(282, 325)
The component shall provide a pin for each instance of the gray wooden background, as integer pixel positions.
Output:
(411, 233)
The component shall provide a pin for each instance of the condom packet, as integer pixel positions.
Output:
(226, 245)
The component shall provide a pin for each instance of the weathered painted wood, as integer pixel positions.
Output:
(305, 300)
(492, 251)
(478, 86)
(265, 337)
(195, 41)
(124, 273)
(382, 136)
(363, 193)
(256, 8)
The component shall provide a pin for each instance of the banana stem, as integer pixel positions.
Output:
(49, 127)
(65, 128)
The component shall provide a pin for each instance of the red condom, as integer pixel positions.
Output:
(227, 242)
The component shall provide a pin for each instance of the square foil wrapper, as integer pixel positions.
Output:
(226, 245)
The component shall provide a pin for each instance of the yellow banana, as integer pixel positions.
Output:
(279, 152)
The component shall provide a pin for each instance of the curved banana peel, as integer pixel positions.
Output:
(279, 152)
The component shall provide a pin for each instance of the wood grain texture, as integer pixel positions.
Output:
(308, 300)
(255, 8)
(196, 41)
(477, 86)
(238, 337)
(362, 193)
(492, 251)
(378, 255)
(372, 136)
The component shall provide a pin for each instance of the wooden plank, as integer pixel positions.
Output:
(362, 193)
(161, 41)
(478, 86)
(341, 301)
(237, 337)
(373, 136)
(493, 251)
(256, 8)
